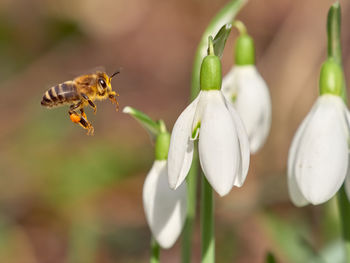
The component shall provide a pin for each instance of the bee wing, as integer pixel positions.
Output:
(86, 80)
(88, 71)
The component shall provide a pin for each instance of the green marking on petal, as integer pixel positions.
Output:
(196, 131)
(234, 97)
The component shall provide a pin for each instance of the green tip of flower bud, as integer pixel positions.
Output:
(162, 146)
(244, 50)
(210, 75)
(331, 78)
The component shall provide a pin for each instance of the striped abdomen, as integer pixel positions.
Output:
(60, 94)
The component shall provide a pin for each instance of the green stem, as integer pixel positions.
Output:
(207, 223)
(240, 27)
(191, 209)
(333, 32)
(155, 249)
(334, 41)
(334, 51)
(344, 207)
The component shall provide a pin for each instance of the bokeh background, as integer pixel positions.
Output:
(68, 197)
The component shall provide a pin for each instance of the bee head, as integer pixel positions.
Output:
(104, 83)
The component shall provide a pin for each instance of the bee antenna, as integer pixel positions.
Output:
(115, 73)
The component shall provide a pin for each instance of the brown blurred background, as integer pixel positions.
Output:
(68, 197)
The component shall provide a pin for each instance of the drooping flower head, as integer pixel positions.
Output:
(165, 208)
(318, 157)
(222, 140)
(246, 89)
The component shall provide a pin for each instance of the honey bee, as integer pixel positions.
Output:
(81, 92)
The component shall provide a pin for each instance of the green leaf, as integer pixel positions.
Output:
(270, 258)
(152, 127)
(220, 39)
(290, 239)
(223, 17)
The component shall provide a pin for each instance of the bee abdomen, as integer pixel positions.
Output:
(60, 94)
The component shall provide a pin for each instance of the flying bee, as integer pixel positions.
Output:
(81, 92)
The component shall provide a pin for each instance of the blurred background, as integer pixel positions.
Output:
(68, 197)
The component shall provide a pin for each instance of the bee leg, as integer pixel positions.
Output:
(75, 106)
(93, 106)
(74, 116)
(81, 120)
(85, 123)
(83, 113)
(112, 96)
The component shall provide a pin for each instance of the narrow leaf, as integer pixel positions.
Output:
(290, 239)
(151, 126)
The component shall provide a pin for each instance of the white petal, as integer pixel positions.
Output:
(229, 86)
(243, 146)
(252, 103)
(218, 144)
(322, 157)
(165, 208)
(294, 192)
(181, 146)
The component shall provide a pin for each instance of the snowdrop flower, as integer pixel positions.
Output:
(247, 90)
(223, 143)
(318, 157)
(165, 208)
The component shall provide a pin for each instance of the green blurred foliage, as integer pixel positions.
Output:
(270, 258)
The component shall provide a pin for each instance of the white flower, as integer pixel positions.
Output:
(318, 157)
(165, 208)
(223, 143)
(247, 90)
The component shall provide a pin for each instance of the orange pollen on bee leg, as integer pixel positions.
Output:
(75, 118)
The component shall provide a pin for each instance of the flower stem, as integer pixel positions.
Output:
(344, 208)
(191, 209)
(240, 27)
(334, 51)
(333, 37)
(155, 249)
(333, 32)
(207, 223)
